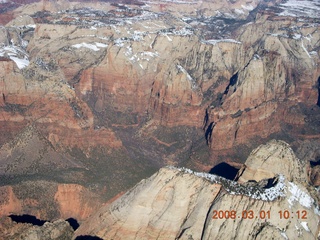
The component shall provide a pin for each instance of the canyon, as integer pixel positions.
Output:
(97, 95)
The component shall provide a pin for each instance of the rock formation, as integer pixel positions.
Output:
(96, 96)
(177, 203)
(57, 230)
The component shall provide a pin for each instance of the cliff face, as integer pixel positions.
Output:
(121, 74)
(181, 204)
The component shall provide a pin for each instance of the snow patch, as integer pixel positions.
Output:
(215, 41)
(21, 63)
(170, 40)
(247, 7)
(278, 35)
(297, 36)
(297, 195)
(95, 47)
(305, 226)
(284, 235)
(101, 45)
(256, 57)
(300, 8)
(193, 82)
(239, 11)
(16, 54)
(303, 47)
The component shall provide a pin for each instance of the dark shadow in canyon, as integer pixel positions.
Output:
(271, 182)
(73, 223)
(208, 132)
(86, 237)
(225, 170)
(314, 163)
(233, 82)
(25, 218)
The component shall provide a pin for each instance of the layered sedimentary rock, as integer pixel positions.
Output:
(117, 90)
(238, 86)
(181, 204)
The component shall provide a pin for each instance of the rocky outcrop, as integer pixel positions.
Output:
(181, 204)
(271, 159)
(48, 200)
(58, 229)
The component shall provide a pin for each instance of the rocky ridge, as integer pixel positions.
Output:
(177, 203)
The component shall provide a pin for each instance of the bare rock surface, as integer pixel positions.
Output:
(180, 204)
(271, 159)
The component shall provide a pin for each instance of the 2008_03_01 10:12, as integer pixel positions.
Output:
(250, 214)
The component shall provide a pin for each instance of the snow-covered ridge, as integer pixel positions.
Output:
(232, 187)
(281, 189)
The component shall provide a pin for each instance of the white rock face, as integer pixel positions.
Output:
(275, 157)
(181, 204)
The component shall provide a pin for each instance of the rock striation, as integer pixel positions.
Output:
(177, 203)
(112, 69)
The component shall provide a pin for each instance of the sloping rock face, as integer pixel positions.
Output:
(180, 204)
(136, 217)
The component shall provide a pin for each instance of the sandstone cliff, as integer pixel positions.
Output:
(114, 91)
(180, 204)
(249, 81)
